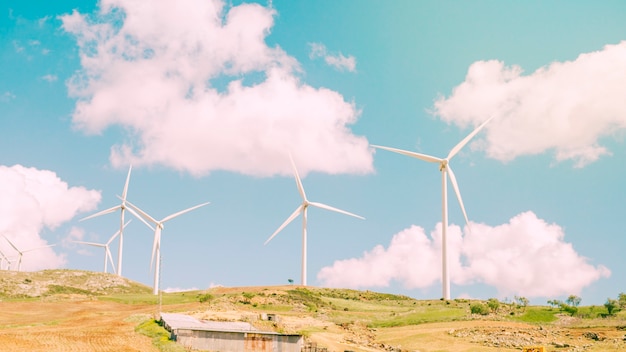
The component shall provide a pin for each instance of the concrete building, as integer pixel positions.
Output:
(227, 336)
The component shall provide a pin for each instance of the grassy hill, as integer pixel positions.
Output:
(338, 319)
(49, 283)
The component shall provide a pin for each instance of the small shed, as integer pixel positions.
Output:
(227, 336)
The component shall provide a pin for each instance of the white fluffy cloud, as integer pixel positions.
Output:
(526, 256)
(338, 61)
(197, 88)
(31, 200)
(565, 107)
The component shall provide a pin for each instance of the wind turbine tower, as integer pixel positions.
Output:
(302, 209)
(105, 246)
(156, 245)
(446, 170)
(122, 206)
(20, 254)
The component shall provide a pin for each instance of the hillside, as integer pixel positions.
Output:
(45, 283)
(57, 310)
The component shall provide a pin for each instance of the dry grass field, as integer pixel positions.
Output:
(65, 310)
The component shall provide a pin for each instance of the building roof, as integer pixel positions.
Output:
(181, 321)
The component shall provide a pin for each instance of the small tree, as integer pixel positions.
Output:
(573, 300)
(612, 306)
(493, 304)
(569, 309)
(621, 299)
(521, 301)
(554, 303)
(290, 281)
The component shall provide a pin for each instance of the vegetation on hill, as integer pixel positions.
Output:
(344, 319)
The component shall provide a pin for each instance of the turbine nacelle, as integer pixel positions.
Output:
(443, 164)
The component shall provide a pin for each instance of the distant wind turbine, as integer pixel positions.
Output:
(107, 252)
(445, 168)
(4, 258)
(303, 209)
(156, 245)
(21, 253)
(122, 206)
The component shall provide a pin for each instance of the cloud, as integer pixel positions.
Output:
(179, 289)
(6, 97)
(31, 200)
(50, 78)
(527, 257)
(565, 107)
(337, 61)
(198, 89)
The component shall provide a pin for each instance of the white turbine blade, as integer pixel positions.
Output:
(34, 249)
(467, 139)
(458, 193)
(109, 256)
(106, 211)
(91, 243)
(328, 207)
(140, 218)
(125, 191)
(117, 233)
(156, 243)
(298, 181)
(170, 217)
(144, 215)
(420, 156)
(289, 219)
(12, 245)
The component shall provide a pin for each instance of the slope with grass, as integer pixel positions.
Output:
(66, 310)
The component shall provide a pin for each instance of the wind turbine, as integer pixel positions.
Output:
(445, 169)
(122, 206)
(21, 253)
(302, 209)
(156, 245)
(107, 252)
(4, 258)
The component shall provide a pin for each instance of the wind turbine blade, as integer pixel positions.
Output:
(140, 218)
(125, 191)
(34, 249)
(420, 156)
(106, 211)
(298, 181)
(289, 219)
(12, 245)
(117, 233)
(467, 139)
(170, 217)
(144, 215)
(109, 256)
(328, 207)
(91, 243)
(457, 192)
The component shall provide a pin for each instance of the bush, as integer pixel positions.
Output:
(571, 310)
(493, 304)
(479, 308)
(205, 297)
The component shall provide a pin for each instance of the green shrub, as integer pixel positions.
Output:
(479, 308)
(205, 297)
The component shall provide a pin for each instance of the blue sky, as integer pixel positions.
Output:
(207, 99)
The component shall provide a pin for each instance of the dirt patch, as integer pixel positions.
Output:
(71, 326)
